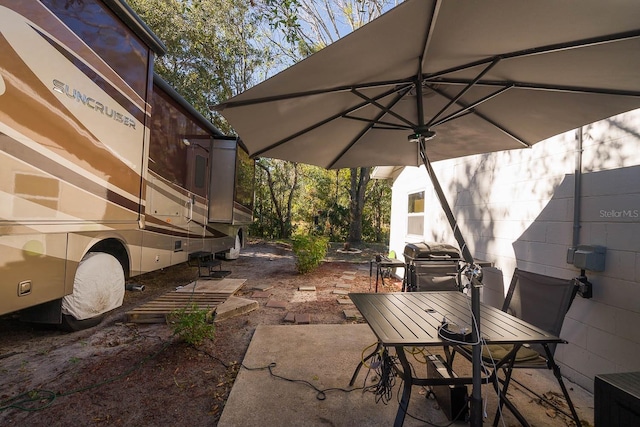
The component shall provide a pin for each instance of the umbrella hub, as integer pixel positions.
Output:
(421, 132)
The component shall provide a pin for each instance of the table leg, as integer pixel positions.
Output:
(556, 372)
(513, 409)
(355, 373)
(407, 378)
(502, 394)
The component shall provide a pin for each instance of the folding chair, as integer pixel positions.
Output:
(542, 301)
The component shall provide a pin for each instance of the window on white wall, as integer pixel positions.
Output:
(415, 218)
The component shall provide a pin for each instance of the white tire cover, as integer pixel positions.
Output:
(97, 288)
(234, 252)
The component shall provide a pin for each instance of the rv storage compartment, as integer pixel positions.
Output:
(431, 267)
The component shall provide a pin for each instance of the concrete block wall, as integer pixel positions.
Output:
(516, 208)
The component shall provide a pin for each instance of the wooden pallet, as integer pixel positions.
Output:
(156, 311)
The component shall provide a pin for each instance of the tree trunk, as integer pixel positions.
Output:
(359, 179)
(283, 213)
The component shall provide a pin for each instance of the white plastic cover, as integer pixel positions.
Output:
(98, 287)
(234, 252)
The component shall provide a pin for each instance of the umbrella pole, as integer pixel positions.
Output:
(476, 359)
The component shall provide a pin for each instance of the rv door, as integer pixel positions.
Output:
(222, 182)
(198, 182)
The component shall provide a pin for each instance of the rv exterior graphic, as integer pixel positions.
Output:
(105, 171)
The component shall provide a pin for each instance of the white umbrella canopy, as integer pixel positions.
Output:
(494, 75)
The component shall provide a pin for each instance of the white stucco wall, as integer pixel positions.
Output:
(515, 209)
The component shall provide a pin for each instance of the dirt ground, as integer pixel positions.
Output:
(139, 374)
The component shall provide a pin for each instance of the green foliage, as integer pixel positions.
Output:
(320, 203)
(277, 185)
(211, 51)
(376, 214)
(192, 324)
(309, 251)
(283, 15)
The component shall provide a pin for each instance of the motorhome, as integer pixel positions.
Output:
(106, 172)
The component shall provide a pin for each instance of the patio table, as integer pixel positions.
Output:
(407, 319)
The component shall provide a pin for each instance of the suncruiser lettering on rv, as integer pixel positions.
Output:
(98, 106)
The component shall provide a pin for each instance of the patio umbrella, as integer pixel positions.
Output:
(432, 80)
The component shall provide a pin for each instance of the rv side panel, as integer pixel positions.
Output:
(73, 89)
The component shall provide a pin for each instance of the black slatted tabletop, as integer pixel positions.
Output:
(413, 318)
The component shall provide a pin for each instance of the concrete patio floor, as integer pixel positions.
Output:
(326, 356)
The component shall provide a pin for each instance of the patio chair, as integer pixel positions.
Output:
(542, 301)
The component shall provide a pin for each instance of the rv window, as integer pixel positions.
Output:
(201, 172)
(105, 34)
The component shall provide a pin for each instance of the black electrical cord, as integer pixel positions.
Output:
(383, 365)
(321, 393)
(217, 359)
(429, 392)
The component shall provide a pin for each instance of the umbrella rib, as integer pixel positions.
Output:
(383, 108)
(468, 109)
(365, 130)
(491, 122)
(543, 87)
(285, 96)
(557, 47)
(385, 125)
(427, 36)
(322, 122)
(464, 90)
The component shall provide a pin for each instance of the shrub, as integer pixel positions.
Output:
(192, 324)
(309, 252)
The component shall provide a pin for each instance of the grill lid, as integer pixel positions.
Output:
(431, 250)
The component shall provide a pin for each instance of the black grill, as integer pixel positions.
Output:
(431, 267)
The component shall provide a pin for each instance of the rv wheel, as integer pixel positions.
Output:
(71, 324)
(98, 287)
(234, 252)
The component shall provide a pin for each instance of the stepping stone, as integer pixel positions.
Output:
(262, 287)
(340, 292)
(350, 273)
(234, 306)
(347, 277)
(303, 318)
(352, 314)
(276, 304)
(260, 294)
(303, 296)
(290, 318)
(345, 301)
(343, 286)
(224, 286)
(307, 288)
